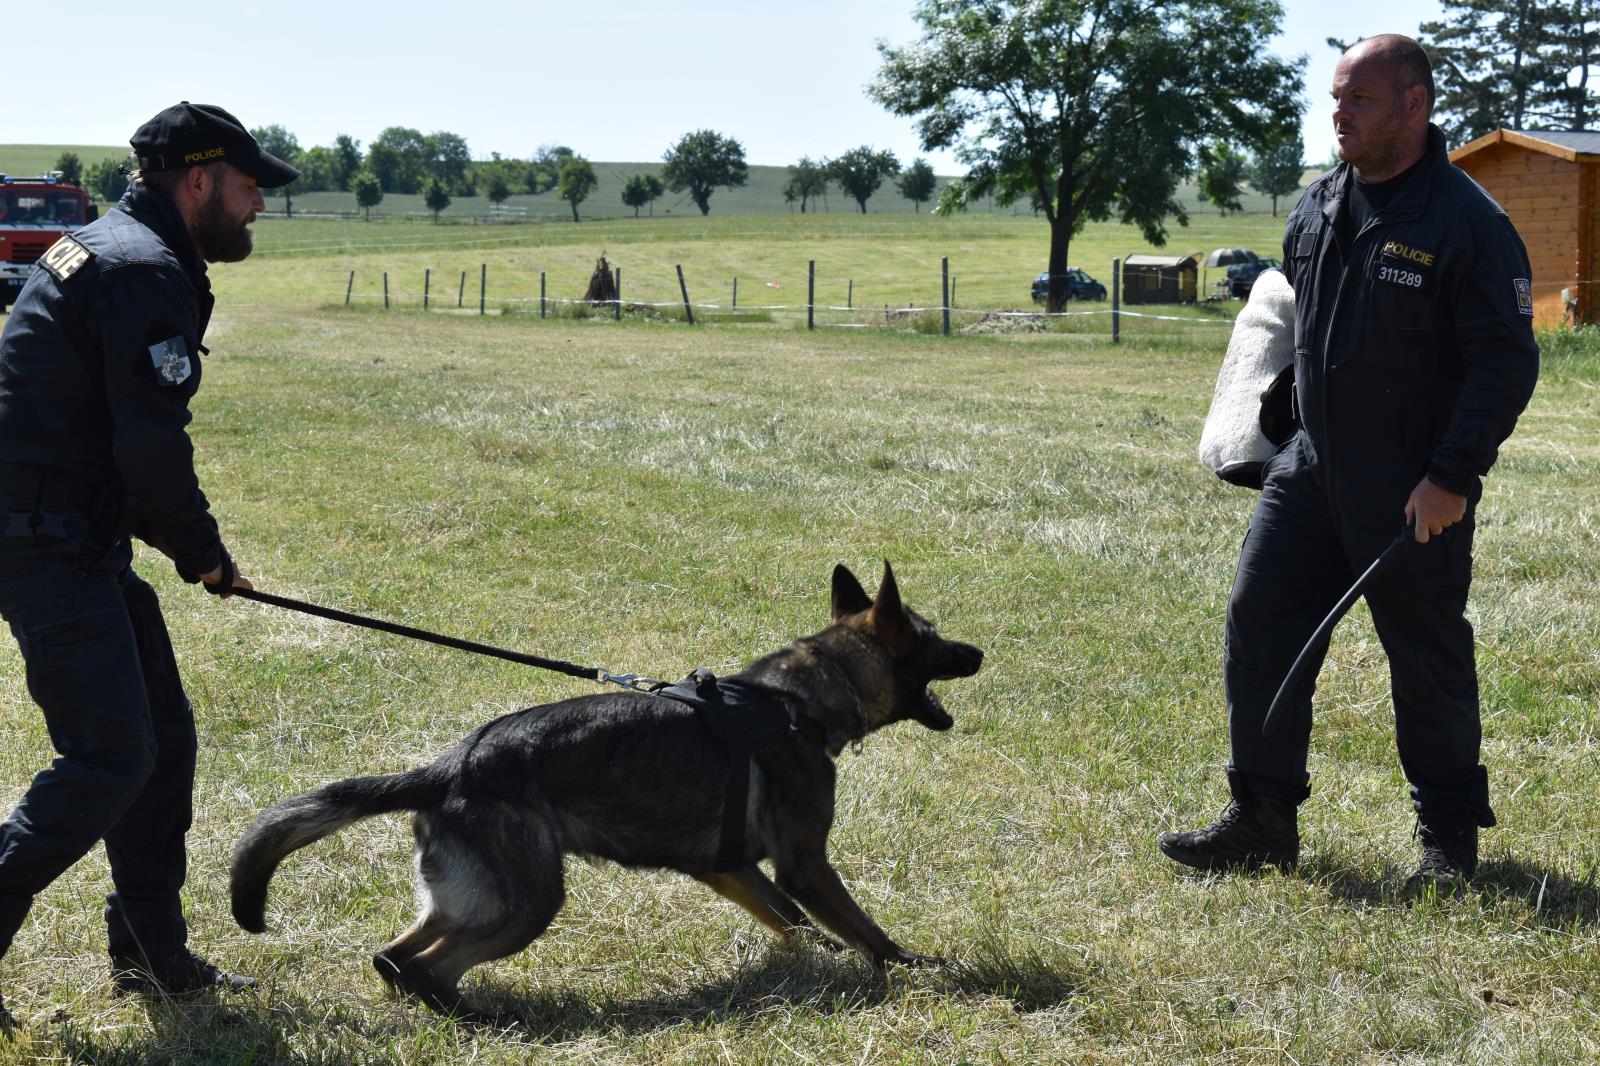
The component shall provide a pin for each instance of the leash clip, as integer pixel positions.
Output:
(629, 681)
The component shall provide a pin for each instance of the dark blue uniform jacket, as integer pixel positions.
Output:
(98, 362)
(1414, 349)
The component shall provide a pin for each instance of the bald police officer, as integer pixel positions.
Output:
(98, 362)
(1414, 357)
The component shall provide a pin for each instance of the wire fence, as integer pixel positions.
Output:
(476, 293)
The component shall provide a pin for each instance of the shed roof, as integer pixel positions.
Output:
(1160, 260)
(1571, 145)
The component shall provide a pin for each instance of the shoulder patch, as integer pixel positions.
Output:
(171, 360)
(1524, 289)
(65, 258)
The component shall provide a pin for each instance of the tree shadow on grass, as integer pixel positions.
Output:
(1557, 899)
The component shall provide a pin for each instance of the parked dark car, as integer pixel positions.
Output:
(1080, 286)
(1242, 278)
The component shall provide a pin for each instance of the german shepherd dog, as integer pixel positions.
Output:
(637, 779)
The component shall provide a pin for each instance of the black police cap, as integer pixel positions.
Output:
(192, 135)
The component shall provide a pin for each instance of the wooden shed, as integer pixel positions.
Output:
(1160, 279)
(1547, 182)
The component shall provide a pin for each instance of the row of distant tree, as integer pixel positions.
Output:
(440, 168)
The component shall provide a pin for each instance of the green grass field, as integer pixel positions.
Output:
(652, 497)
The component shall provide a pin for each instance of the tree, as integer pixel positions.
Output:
(860, 171)
(436, 196)
(497, 188)
(447, 159)
(1524, 64)
(576, 182)
(71, 167)
(105, 180)
(1276, 170)
(642, 189)
(347, 152)
(917, 183)
(1575, 38)
(1095, 107)
(368, 189)
(702, 162)
(808, 180)
(318, 165)
(278, 141)
(544, 170)
(399, 158)
(1221, 173)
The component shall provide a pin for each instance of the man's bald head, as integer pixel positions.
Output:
(1383, 96)
(1405, 59)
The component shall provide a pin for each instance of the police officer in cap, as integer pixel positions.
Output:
(98, 361)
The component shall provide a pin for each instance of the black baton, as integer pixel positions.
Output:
(1269, 725)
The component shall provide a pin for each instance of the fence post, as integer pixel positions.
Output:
(811, 293)
(1116, 301)
(541, 294)
(850, 295)
(736, 292)
(684, 288)
(618, 316)
(461, 293)
(348, 286)
(483, 285)
(944, 291)
(427, 273)
(386, 290)
(952, 290)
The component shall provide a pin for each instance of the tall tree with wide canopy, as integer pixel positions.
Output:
(1525, 64)
(860, 171)
(702, 162)
(1089, 107)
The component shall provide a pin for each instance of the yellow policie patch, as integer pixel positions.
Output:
(1416, 255)
(204, 157)
(65, 258)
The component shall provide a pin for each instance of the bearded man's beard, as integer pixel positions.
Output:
(218, 238)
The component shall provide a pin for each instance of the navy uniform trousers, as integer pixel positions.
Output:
(100, 666)
(1303, 551)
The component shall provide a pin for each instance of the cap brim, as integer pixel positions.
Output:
(269, 171)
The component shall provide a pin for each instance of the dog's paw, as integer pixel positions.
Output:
(901, 957)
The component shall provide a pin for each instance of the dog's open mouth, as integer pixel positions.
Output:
(932, 713)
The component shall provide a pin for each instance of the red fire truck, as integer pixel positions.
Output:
(34, 213)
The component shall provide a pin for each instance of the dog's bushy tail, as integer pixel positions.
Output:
(288, 826)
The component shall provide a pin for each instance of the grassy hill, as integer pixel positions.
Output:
(31, 160)
(762, 195)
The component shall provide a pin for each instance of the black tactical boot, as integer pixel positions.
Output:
(1251, 832)
(179, 974)
(1449, 859)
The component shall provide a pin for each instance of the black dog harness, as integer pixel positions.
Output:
(743, 719)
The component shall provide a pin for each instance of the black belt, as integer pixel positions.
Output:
(35, 488)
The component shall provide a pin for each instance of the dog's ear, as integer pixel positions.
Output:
(848, 596)
(889, 619)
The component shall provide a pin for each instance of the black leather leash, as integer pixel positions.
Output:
(588, 673)
(1269, 724)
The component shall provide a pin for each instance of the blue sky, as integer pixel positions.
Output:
(619, 81)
